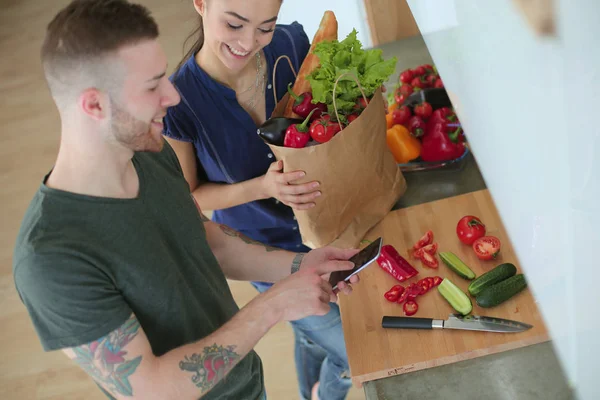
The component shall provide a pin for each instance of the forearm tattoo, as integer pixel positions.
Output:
(297, 261)
(233, 233)
(211, 366)
(105, 359)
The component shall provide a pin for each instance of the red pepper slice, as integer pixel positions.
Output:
(394, 293)
(430, 281)
(414, 290)
(403, 297)
(394, 264)
(425, 286)
(437, 280)
(429, 260)
(410, 308)
(424, 241)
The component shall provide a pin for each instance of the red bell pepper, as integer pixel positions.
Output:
(410, 308)
(304, 105)
(297, 135)
(394, 293)
(441, 143)
(394, 264)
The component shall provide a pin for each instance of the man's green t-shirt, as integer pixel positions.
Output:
(82, 265)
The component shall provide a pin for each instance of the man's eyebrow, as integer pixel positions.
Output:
(238, 16)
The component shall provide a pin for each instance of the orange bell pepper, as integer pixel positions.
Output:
(402, 144)
(389, 121)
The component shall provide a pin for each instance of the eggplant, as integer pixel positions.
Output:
(273, 130)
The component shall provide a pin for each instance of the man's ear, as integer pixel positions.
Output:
(199, 5)
(94, 103)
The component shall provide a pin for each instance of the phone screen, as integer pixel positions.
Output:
(360, 260)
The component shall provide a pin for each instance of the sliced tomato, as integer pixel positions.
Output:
(437, 280)
(487, 247)
(410, 308)
(429, 260)
(424, 241)
(394, 293)
(430, 248)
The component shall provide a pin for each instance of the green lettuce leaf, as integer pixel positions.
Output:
(338, 58)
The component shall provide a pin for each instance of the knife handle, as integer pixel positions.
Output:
(407, 322)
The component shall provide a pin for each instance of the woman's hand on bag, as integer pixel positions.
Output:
(280, 185)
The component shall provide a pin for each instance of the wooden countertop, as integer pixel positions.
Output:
(374, 352)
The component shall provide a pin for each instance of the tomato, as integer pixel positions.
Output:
(420, 70)
(431, 79)
(469, 229)
(437, 280)
(430, 248)
(351, 117)
(323, 129)
(394, 293)
(431, 281)
(424, 241)
(429, 260)
(401, 115)
(410, 308)
(403, 297)
(438, 83)
(418, 83)
(424, 110)
(406, 76)
(424, 285)
(487, 247)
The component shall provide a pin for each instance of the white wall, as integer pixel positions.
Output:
(516, 92)
(350, 15)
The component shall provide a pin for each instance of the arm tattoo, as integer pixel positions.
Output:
(104, 360)
(296, 262)
(233, 233)
(211, 366)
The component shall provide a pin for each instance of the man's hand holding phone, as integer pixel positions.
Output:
(330, 261)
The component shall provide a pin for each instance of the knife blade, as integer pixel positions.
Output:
(457, 321)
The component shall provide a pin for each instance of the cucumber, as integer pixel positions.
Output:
(498, 274)
(456, 297)
(500, 292)
(456, 265)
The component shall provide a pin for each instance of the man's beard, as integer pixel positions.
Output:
(133, 133)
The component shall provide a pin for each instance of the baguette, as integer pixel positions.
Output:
(328, 31)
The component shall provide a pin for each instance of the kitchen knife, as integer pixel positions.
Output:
(457, 321)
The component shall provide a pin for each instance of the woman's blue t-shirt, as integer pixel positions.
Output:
(228, 149)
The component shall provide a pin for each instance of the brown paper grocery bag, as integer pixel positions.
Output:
(360, 179)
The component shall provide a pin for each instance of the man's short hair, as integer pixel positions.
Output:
(81, 38)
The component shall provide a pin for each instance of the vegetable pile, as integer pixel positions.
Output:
(319, 123)
(488, 290)
(422, 132)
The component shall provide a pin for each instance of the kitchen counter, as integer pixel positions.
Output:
(528, 373)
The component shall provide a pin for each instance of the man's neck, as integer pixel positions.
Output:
(94, 169)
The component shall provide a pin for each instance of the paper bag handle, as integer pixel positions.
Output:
(275, 69)
(355, 79)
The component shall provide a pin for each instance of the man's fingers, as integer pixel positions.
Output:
(344, 287)
(354, 279)
(334, 265)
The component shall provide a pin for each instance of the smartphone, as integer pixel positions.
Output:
(362, 259)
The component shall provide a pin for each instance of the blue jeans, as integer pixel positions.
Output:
(320, 353)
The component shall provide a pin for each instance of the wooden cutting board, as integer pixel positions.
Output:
(375, 352)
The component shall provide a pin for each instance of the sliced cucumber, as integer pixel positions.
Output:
(456, 297)
(456, 265)
(500, 292)
(498, 274)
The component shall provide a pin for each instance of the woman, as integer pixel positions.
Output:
(226, 88)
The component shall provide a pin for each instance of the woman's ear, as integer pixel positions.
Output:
(199, 5)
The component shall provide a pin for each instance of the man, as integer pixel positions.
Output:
(114, 262)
